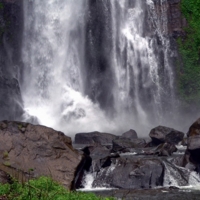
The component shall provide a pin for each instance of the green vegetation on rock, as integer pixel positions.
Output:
(189, 48)
(1, 5)
(43, 189)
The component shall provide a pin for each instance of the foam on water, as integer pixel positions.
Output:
(87, 184)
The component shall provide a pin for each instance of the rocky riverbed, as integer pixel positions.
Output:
(168, 159)
(166, 165)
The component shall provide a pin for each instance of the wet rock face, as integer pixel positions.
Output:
(176, 22)
(165, 149)
(194, 129)
(131, 174)
(193, 142)
(125, 144)
(193, 147)
(47, 152)
(4, 177)
(11, 27)
(10, 99)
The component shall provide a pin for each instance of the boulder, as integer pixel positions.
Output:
(162, 134)
(130, 173)
(94, 138)
(38, 151)
(194, 129)
(131, 134)
(193, 146)
(193, 143)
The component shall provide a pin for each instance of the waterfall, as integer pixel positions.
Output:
(134, 62)
(96, 65)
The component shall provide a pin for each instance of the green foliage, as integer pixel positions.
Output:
(20, 126)
(1, 5)
(189, 48)
(43, 189)
(6, 163)
(5, 155)
(4, 189)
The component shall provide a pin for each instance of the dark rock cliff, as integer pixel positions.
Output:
(11, 28)
(176, 20)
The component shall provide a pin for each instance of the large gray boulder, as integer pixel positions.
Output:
(162, 134)
(131, 134)
(38, 151)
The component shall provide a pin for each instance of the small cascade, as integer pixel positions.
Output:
(175, 175)
(88, 180)
(194, 180)
(109, 177)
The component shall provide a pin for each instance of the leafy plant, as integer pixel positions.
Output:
(6, 163)
(189, 48)
(20, 126)
(5, 155)
(1, 5)
(43, 188)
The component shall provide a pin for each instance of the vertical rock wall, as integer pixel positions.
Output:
(11, 28)
(176, 20)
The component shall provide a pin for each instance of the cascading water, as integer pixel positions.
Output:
(134, 62)
(144, 76)
(96, 65)
(53, 49)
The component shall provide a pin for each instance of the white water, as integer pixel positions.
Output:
(87, 183)
(140, 59)
(53, 57)
(174, 176)
(194, 181)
